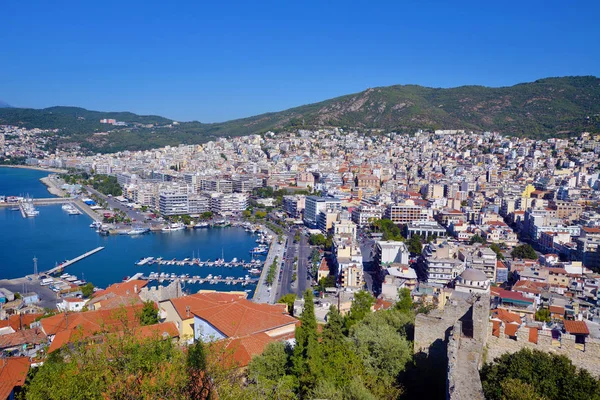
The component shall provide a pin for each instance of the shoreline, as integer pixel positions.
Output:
(53, 170)
(51, 187)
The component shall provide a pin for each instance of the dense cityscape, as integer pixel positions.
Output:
(493, 236)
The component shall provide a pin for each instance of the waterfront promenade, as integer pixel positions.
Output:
(262, 293)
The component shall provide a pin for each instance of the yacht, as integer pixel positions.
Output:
(201, 225)
(71, 209)
(138, 231)
(177, 226)
(254, 271)
(96, 224)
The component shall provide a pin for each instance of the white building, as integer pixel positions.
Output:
(173, 203)
(315, 205)
(388, 252)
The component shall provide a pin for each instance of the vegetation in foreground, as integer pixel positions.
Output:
(533, 374)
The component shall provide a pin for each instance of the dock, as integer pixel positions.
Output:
(211, 280)
(196, 262)
(137, 276)
(74, 260)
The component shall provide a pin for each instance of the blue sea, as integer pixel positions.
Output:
(54, 236)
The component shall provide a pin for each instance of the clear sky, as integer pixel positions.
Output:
(219, 60)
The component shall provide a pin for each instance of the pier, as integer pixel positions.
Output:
(196, 262)
(229, 280)
(41, 201)
(74, 260)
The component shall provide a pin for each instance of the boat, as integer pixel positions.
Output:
(254, 271)
(138, 231)
(96, 224)
(201, 225)
(177, 226)
(71, 209)
(28, 208)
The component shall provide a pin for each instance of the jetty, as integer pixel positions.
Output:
(210, 279)
(196, 262)
(74, 260)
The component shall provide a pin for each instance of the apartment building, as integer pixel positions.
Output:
(173, 203)
(315, 205)
(403, 213)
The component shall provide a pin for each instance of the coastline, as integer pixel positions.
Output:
(54, 170)
(52, 188)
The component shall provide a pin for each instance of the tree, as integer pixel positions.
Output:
(477, 239)
(361, 306)
(551, 376)
(268, 372)
(404, 303)
(414, 244)
(317, 240)
(543, 315)
(328, 281)
(306, 348)
(87, 290)
(148, 314)
(289, 300)
(524, 251)
(498, 250)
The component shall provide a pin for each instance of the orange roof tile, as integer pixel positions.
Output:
(533, 335)
(13, 372)
(511, 329)
(576, 327)
(202, 300)
(24, 320)
(25, 336)
(243, 317)
(496, 328)
(507, 316)
(557, 309)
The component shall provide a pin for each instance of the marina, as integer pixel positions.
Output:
(199, 263)
(54, 236)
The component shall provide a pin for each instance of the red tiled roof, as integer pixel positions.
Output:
(496, 328)
(588, 229)
(202, 300)
(557, 310)
(576, 327)
(507, 316)
(243, 317)
(507, 294)
(15, 321)
(533, 335)
(511, 329)
(381, 304)
(13, 372)
(91, 321)
(25, 336)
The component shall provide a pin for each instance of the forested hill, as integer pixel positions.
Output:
(547, 107)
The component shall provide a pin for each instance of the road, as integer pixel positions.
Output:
(303, 280)
(262, 294)
(285, 276)
(117, 205)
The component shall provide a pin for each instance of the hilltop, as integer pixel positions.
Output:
(546, 107)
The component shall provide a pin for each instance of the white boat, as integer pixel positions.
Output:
(138, 231)
(201, 225)
(177, 226)
(71, 209)
(96, 224)
(254, 271)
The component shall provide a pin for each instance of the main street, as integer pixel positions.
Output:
(300, 250)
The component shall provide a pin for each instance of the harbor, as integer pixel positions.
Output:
(54, 236)
(65, 264)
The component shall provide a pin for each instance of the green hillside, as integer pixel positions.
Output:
(547, 107)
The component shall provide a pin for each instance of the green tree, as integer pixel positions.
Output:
(414, 244)
(268, 373)
(404, 303)
(551, 376)
(87, 290)
(498, 250)
(317, 240)
(476, 239)
(361, 306)
(148, 314)
(543, 315)
(289, 300)
(306, 352)
(524, 251)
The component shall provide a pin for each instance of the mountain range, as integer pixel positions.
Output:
(547, 107)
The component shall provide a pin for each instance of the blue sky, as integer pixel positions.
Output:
(214, 61)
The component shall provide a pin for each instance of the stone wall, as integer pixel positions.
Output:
(588, 359)
(161, 293)
(464, 359)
